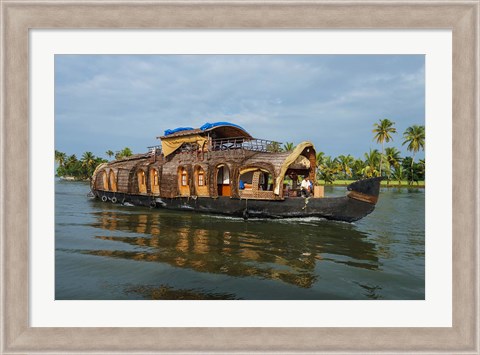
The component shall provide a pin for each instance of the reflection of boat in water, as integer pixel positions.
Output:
(259, 249)
(220, 168)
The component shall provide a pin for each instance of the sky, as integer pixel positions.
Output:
(108, 102)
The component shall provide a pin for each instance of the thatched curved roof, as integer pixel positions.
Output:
(222, 129)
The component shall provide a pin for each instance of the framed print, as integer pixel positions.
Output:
(39, 312)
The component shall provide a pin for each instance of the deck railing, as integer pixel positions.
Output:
(238, 143)
(155, 149)
(257, 145)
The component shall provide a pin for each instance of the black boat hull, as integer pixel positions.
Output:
(334, 208)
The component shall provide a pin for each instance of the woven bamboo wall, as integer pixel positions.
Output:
(168, 172)
(123, 179)
(100, 178)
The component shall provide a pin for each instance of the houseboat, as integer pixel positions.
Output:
(220, 168)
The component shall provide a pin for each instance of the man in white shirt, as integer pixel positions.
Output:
(305, 186)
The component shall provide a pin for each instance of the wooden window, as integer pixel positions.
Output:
(201, 181)
(155, 178)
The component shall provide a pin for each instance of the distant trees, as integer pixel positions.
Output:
(387, 163)
(329, 169)
(71, 166)
(414, 136)
(274, 147)
(83, 169)
(88, 163)
(124, 153)
(392, 156)
(414, 172)
(60, 157)
(319, 158)
(346, 162)
(393, 159)
(357, 169)
(398, 174)
(372, 159)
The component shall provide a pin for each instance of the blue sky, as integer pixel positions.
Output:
(112, 101)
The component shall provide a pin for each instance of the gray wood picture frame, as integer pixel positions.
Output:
(18, 17)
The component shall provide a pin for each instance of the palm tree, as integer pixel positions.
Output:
(383, 132)
(393, 158)
(399, 174)
(110, 153)
(345, 164)
(88, 162)
(60, 157)
(371, 162)
(274, 147)
(125, 152)
(415, 137)
(288, 147)
(72, 159)
(329, 169)
(319, 158)
(357, 168)
(70, 166)
(421, 168)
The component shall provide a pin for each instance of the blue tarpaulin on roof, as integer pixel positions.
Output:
(203, 128)
(175, 130)
(216, 124)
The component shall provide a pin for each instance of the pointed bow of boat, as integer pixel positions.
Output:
(365, 190)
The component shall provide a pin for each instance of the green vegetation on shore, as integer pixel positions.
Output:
(69, 166)
(388, 163)
(397, 170)
(384, 183)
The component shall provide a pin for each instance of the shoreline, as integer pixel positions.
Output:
(391, 184)
(71, 178)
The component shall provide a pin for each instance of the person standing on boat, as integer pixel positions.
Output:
(305, 186)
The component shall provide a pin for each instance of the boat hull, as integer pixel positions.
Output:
(334, 208)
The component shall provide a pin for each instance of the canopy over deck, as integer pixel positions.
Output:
(222, 130)
(305, 149)
(174, 138)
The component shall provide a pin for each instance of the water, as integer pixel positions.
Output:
(110, 252)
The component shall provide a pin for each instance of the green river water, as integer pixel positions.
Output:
(106, 251)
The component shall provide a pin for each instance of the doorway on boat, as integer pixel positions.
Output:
(298, 165)
(183, 185)
(154, 183)
(105, 180)
(141, 180)
(201, 186)
(223, 181)
(256, 183)
(113, 181)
